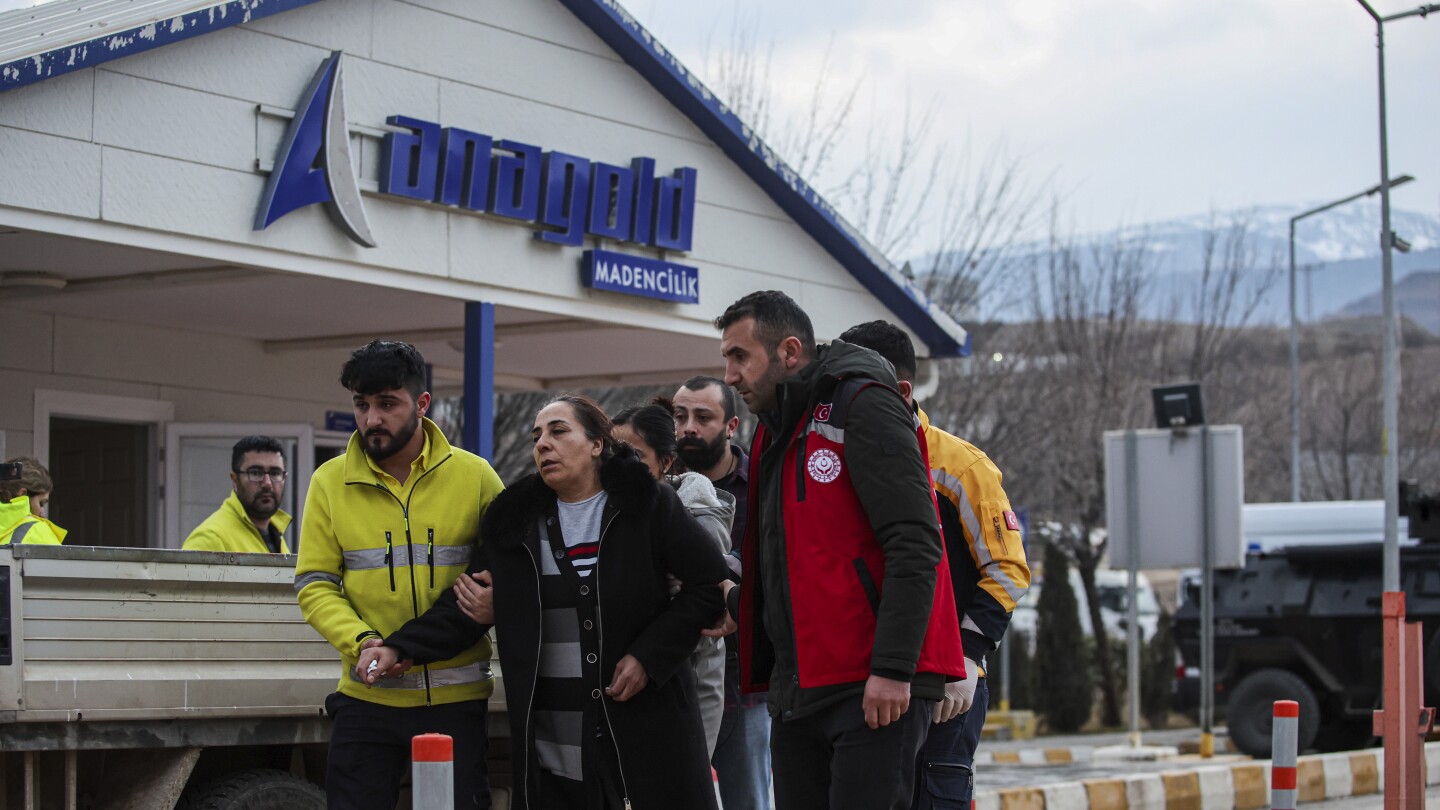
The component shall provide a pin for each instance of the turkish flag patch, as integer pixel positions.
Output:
(1011, 522)
(822, 412)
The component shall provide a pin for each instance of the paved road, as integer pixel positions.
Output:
(1432, 799)
(995, 776)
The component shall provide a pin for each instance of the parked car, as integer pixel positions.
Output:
(1112, 588)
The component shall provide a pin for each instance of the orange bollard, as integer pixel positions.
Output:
(1403, 723)
(432, 772)
(1284, 737)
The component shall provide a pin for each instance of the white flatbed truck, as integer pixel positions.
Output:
(153, 679)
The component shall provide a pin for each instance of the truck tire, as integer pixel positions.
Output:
(1252, 705)
(258, 790)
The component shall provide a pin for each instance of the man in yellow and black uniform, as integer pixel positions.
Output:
(250, 520)
(387, 528)
(987, 568)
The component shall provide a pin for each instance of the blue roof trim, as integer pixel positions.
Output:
(117, 44)
(639, 48)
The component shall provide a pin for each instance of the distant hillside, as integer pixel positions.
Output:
(1337, 255)
(1417, 295)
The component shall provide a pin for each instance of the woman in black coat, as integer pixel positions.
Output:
(594, 650)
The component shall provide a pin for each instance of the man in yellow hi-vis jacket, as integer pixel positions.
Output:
(987, 568)
(250, 520)
(388, 527)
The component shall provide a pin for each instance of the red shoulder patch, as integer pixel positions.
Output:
(822, 412)
(1011, 522)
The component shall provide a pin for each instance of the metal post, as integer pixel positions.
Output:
(1390, 362)
(1207, 601)
(1005, 675)
(1390, 479)
(1393, 599)
(1391, 721)
(1132, 542)
(1295, 331)
(1294, 379)
(479, 409)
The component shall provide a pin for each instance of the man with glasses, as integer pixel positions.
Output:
(251, 518)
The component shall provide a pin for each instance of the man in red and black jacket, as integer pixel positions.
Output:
(845, 612)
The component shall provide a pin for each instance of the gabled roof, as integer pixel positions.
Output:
(56, 38)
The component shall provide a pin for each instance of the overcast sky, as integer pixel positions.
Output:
(1139, 109)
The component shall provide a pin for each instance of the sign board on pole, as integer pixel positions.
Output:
(1171, 497)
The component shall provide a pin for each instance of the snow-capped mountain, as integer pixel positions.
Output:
(1340, 234)
(1337, 254)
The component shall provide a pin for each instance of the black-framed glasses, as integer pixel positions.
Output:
(257, 474)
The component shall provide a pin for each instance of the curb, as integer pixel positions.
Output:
(1242, 786)
(1036, 756)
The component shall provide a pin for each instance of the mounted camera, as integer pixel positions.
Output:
(10, 471)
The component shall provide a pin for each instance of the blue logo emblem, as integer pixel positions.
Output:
(313, 165)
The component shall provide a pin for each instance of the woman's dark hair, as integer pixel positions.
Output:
(34, 479)
(384, 365)
(592, 420)
(655, 423)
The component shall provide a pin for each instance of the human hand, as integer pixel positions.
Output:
(378, 661)
(629, 679)
(476, 599)
(959, 695)
(885, 700)
(726, 625)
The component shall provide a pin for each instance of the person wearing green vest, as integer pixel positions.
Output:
(250, 520)
(23, 503)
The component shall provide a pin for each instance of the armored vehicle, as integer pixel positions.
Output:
(1303, 623)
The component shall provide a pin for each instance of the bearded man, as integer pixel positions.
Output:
(388, 527)
(250, 520)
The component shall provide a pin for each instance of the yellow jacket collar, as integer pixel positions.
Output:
(17, 510)
(280, 520)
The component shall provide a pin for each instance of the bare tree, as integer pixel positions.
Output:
(1090, 358)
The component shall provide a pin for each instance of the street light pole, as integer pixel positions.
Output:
(1390, 375)
(1295, 331)
(1404, 758)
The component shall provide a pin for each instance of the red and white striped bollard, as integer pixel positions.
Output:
(432, 772)
(1284, 737)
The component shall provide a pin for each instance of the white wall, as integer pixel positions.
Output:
(208, 378)
(166, 142)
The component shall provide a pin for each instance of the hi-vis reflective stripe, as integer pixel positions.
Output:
(829, 431)
(415, 679)
(371, 558)
(315, 576)
(952, 486)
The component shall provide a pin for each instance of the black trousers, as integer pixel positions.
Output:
(831, 760)
(944, 771)
(370, 750)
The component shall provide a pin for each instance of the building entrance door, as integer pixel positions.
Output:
(100, 470)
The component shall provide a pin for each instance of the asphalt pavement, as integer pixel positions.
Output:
(995, 776)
